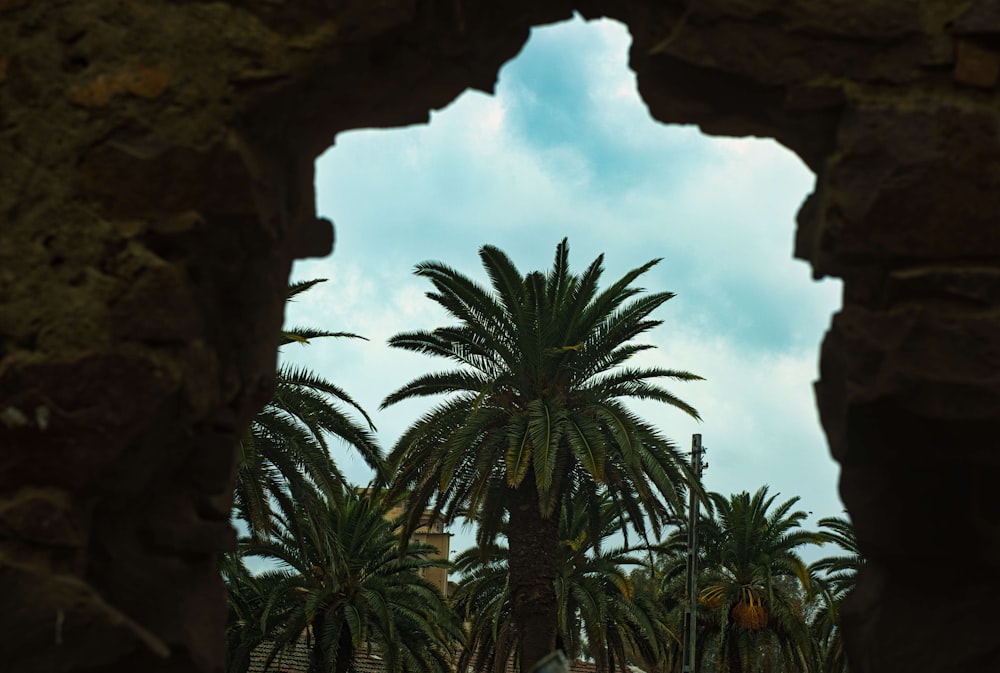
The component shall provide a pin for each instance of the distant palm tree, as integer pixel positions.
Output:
(835, 576)
(286, 447)
(245, 596)
(533, 417)
(751, 579)
(345, 584)
(661, 579)
(600, 612)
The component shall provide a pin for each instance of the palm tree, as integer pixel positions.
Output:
(836, 576)
(662, 580)
(286, 447)
(482, 599)
(346, 583)
(533, 417)
(245, 594)
(599, 611)
(753, 579)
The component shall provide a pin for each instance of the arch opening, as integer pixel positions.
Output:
(157, 181)
(566, 147)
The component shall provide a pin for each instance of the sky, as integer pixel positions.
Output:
(566, 148)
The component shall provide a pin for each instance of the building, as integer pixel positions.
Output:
(436, 536)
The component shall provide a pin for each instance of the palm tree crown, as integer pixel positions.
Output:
(751, 571)
(287, 445)
(533, 416)
(836, 576)
(346, 581)
(840, 571)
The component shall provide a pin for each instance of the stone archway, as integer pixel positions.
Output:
(156, 183)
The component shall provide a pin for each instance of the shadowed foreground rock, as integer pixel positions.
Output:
(156, 172)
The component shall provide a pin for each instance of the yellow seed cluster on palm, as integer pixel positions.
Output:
(712, 595)
(749, 612)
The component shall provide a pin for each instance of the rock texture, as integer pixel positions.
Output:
(156, 178)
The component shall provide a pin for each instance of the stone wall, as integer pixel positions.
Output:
(156, 178)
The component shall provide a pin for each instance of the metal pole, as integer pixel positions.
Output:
(691, 610)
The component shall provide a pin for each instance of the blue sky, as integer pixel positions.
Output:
(567, 148)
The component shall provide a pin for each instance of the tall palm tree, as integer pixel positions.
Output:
(836, 576)
(754, 581)
(343, 585)
(533, 417)
(286, 447)
(600, 612)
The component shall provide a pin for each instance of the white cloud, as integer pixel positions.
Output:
(475, 120)
(720, 211)
(759, 419)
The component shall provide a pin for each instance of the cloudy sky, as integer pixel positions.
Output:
(566, 148)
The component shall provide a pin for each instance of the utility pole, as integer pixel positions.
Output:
(691, 611)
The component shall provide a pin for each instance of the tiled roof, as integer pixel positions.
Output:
(575, 666)
(293, 660)
(296, 660)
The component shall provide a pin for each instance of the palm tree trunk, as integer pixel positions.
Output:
(534, 564)
(319, 655)
(345, 651)
(733, 652)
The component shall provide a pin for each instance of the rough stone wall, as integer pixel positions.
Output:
(894, 106)
(156, 182)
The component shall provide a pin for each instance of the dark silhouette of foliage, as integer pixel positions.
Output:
(287, 446)
(344, 582)
(533, 417)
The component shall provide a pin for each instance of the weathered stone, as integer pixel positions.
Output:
(157, 307)
(96, 406)
(976, 65)
(981, 17)
(145, 82)
(123, 180)
(156, 181)
(808, 98)
(889, 358)
(41, 517)
(968, 284)
(886, 647)
(900, 177)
